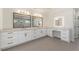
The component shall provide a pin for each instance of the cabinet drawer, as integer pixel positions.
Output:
(7, 33)
(65, 39)
(8, 38)
(7, 43)
(64, 34)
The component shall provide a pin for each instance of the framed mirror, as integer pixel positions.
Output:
(37, 21)
(21, 20)
(59, 21)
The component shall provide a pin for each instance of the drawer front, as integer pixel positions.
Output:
(8, 37)
(8, 33)
(4, 33)
(65, 39)
(65, 33)
(7, 43)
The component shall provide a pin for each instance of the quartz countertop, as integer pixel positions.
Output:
(21, 29)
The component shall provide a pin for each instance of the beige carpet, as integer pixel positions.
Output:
(47, 44)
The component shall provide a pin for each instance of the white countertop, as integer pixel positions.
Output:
(21, 29)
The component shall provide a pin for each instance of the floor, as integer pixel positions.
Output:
(47, 44)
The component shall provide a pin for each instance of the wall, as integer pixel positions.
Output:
(0, 18)
(44, 11)
(7, 18)
(66, 12)
(48, 15)
(48, 21)
(0, 24)
(68, 18)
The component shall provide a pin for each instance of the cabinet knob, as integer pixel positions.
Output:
(10, 43)
(10, 32)
(10, 37)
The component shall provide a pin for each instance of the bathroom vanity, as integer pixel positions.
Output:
(10, 38)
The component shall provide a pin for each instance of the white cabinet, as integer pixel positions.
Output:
(37, 33)
(20, 37)
(28, 35)
(56, 33)
(49, 32)
(8, 39)
(42, 32)
(65, 35)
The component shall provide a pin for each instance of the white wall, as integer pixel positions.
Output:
(48, 15)
(7, 18)
(0, 24)
(44, 11)
(66, 12)
(0, 18)
(68, 18)
(48, 20)
(6, 21)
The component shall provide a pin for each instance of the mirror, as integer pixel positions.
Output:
(59, 21)
(21, 20)
(37, 21)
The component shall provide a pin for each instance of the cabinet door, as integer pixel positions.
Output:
(8, 43)
(28, 35)
(49, 32)
(41, 33)
(65, 35)
(44, 32)
(36, 33)
(20, 37)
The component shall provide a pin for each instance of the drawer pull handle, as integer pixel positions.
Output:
(10, 43)
(10, 33)
(10, 37)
